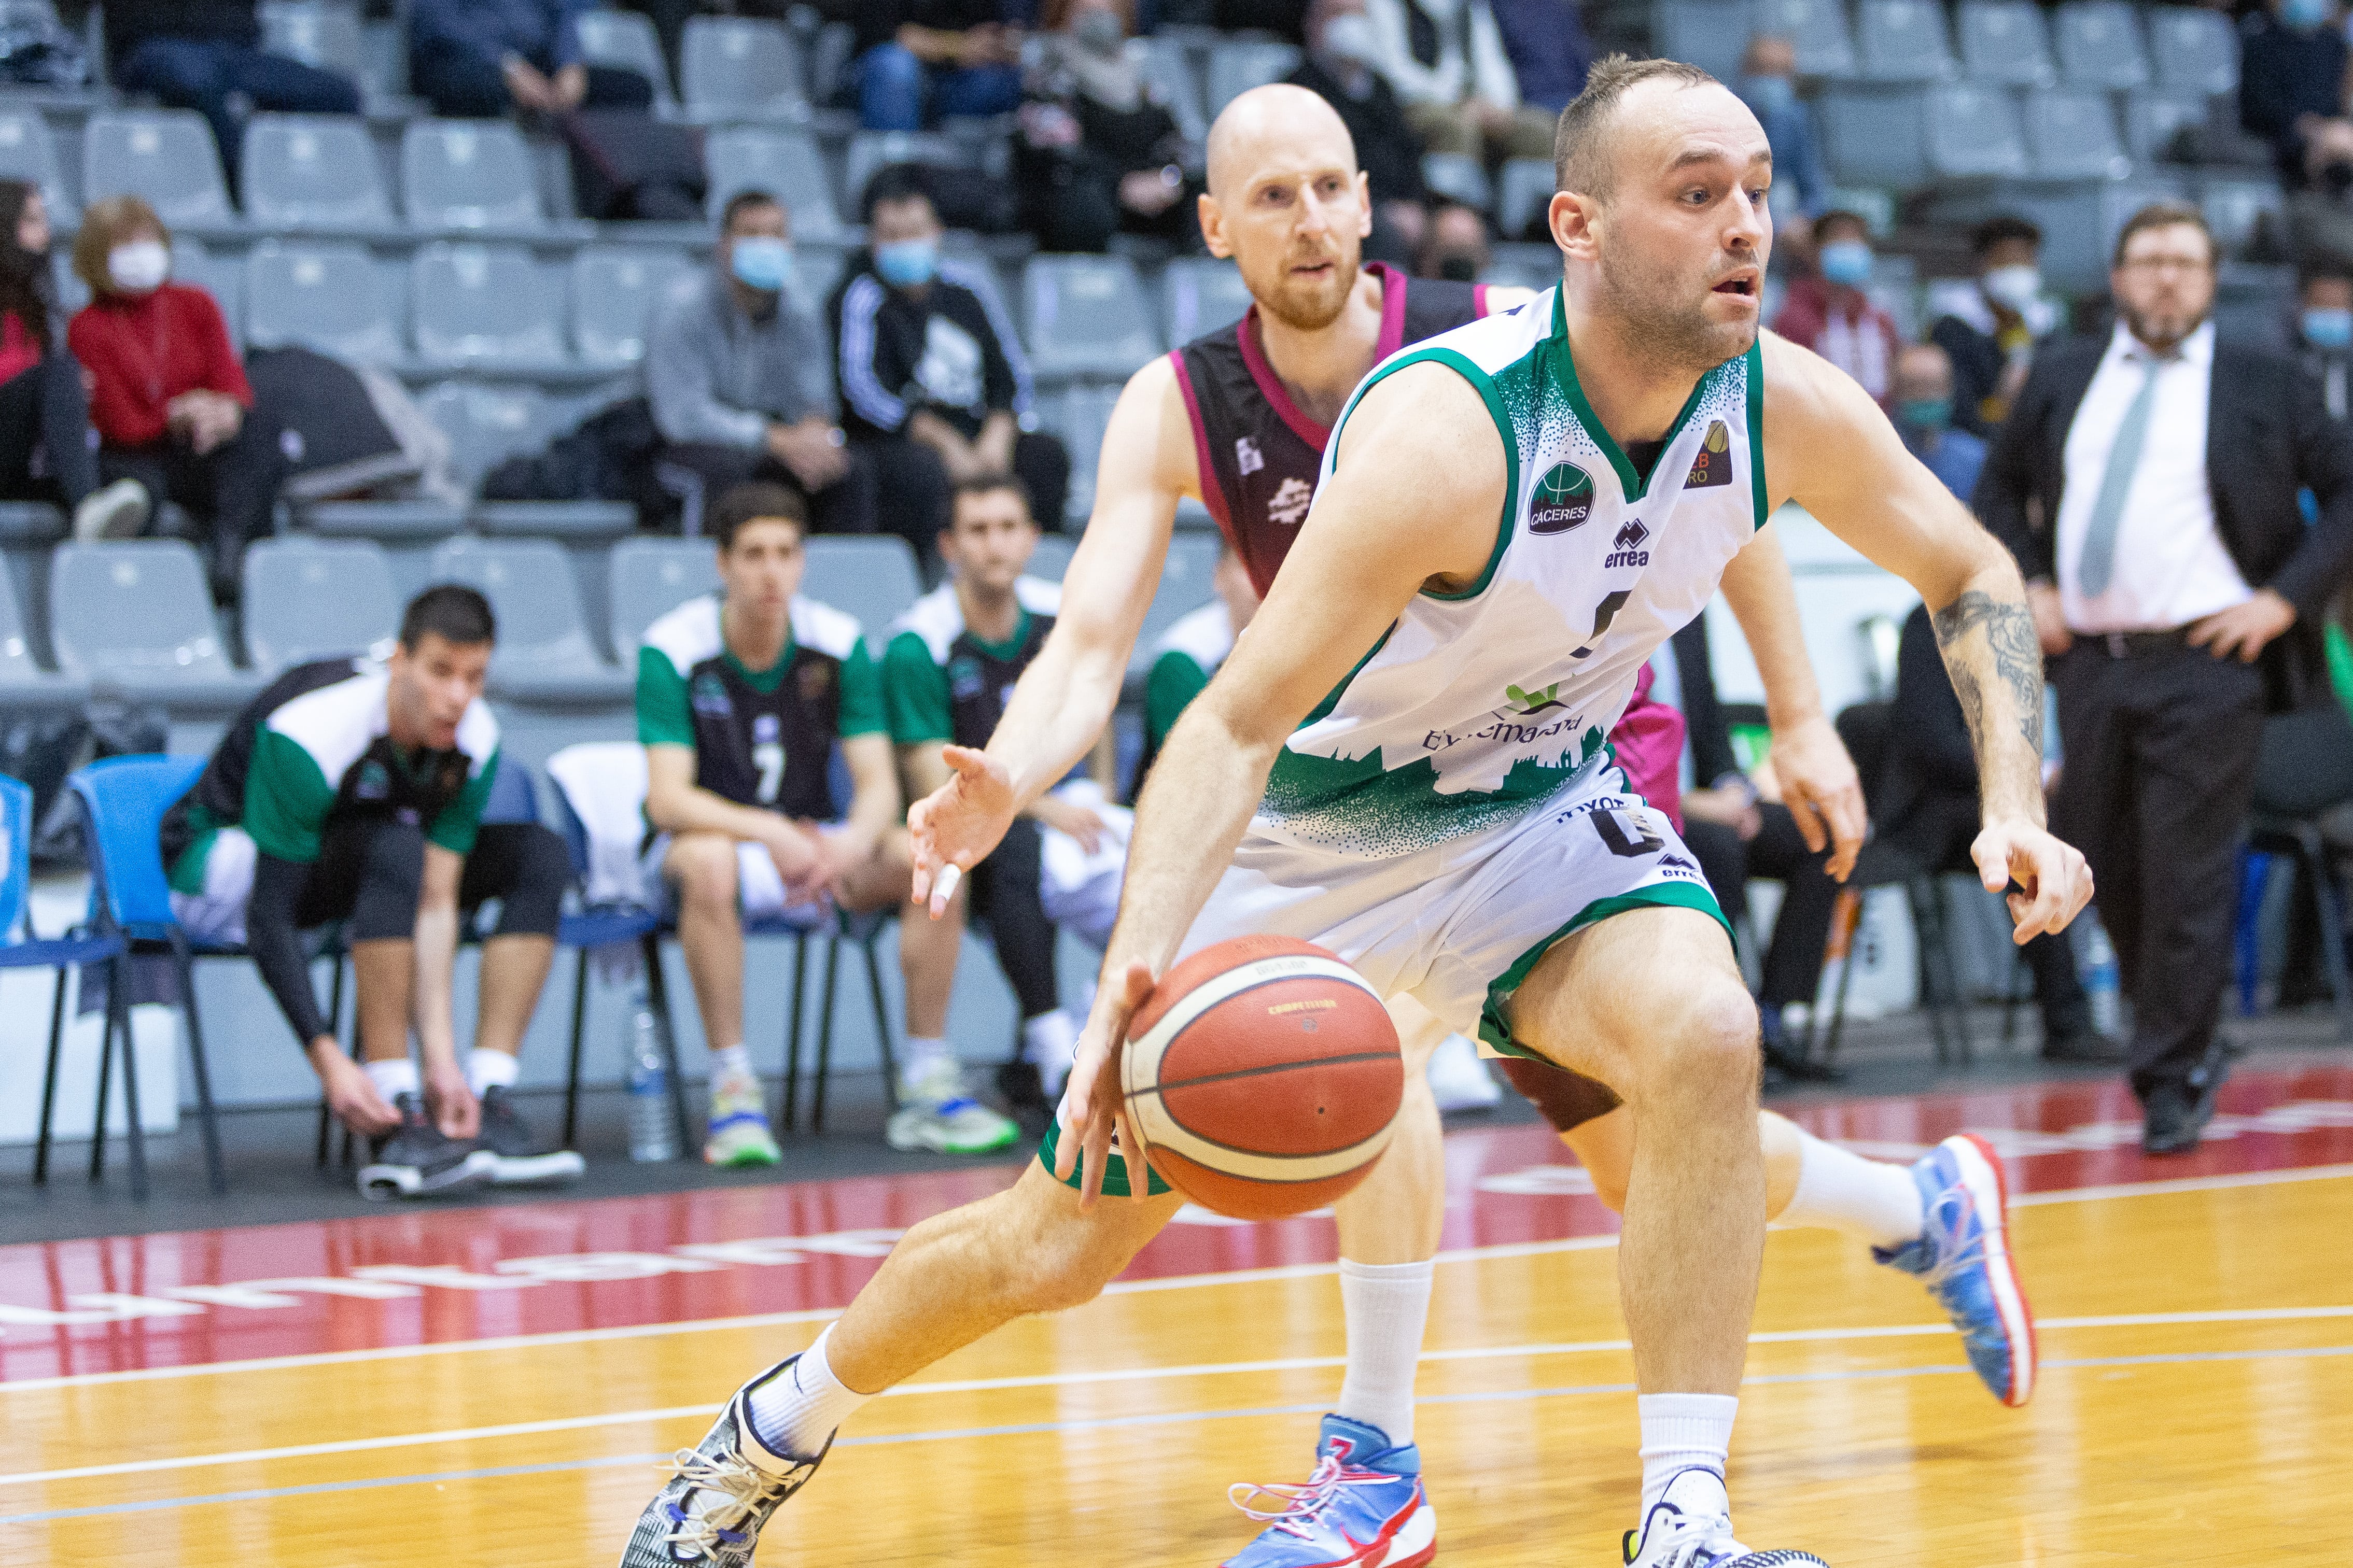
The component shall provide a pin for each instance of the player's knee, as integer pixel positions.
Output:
(703, 867)
(1707, 1056)
(392, 884)
(535, 905)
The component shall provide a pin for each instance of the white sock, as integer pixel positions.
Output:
(394, 1075)
(1051, 1040)
(795, 1412)
(731, 1062)
(1680, 1431)
(1388, 1305)
(1868, 1199)
(923, 1051)
(487, 1069)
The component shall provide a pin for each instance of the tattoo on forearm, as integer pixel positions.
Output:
(2016, 656)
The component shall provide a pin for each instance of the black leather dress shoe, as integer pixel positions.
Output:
(2177, 1113)
(2082, 1047)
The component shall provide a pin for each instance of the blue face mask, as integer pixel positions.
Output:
(1773, 94)
(1925, 414)
(2326, 329)
(762, 261)
(1846, 261)
(907, 263)
(2304, 15)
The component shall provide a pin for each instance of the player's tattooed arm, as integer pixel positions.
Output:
(2009, 652)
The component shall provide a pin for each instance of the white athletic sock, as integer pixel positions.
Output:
(487, 1070)
(1868, 1199)
(730, 1062)
(393, 1077)
(795, 1412)
(1388, 1305)
(1051, 1040)
(922, 1052)
(1679, 1431)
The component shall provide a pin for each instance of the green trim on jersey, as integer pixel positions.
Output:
(286, 798)
(665, 710)
(1176, 679)
(1485, 384)
(1495, 1026)
(1391, 810)
(461, 821)
(917, 696)
(1755, 357)
(1114, 1185)
(1636, 486)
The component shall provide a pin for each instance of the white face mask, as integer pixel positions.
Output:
(2014, 287)
(139, 266)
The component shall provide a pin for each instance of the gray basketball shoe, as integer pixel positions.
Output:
(725, 1489)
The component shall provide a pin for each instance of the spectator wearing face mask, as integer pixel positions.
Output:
(2292, 80)
(1830, 313)
(1339, 68)
(1924, 416)
(1988, 326)
(1446, 61)
(48, 451)
(1769, 85)
(167, 392)
(2324, 333)
(1098, 151)
(1456, 246)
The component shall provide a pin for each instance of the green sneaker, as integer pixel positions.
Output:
(739, 1133)
(938, 1115)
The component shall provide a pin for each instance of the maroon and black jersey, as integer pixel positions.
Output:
(1259, 452)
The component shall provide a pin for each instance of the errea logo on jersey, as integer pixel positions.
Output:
(1629, 550)
(1561, 500)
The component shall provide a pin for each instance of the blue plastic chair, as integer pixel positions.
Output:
(123, 800)
(55, 954)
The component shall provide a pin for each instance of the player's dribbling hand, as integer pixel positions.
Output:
(2053, 879)
(950, 830)
(1093, 1105)
(1819, 786)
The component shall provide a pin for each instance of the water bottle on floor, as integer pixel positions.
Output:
(2100, 980)
(651, 1135)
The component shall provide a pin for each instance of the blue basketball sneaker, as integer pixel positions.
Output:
(1362, 1508)
(1691, 1527)
(722, 1490)
(1963, 1257)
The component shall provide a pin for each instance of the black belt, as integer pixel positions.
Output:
(2135, 645)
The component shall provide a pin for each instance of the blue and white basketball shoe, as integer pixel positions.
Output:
(1362, 1508)
(1691, 1527)
(1963, 1257)
(722, 1491)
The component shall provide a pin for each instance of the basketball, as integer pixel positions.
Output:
(1262, 1076)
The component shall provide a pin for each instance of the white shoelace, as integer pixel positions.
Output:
(1303, 1504)
(743, 1485)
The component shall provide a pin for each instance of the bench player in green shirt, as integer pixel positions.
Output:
(742, 697)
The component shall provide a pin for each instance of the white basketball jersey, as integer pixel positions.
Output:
(1474, 706)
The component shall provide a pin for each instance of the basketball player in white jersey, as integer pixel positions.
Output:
(1478, 532)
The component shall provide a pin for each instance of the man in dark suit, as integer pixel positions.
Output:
(2147, 485)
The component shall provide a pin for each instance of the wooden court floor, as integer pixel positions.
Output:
(2196, 1404)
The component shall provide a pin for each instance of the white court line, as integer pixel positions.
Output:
(1100, 1424)
(1147, 1375)
(1118, 1288)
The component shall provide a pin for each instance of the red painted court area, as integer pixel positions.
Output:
(434, 1276)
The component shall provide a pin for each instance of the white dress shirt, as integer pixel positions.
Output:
(2170, 566)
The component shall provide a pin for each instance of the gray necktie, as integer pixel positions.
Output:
(2098, 563)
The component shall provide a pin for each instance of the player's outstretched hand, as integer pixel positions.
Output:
(1093, 1105)
(950, 830)
(1819, 786)
(2053, 881)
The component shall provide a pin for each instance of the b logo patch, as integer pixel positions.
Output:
(1713, 466)
(1561, 500)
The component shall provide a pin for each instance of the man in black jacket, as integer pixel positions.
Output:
(2147, 485)
(207, 55)
(1341, 48)
(933, 381)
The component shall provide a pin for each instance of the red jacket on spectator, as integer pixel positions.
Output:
(145, 351)
(1845, 328)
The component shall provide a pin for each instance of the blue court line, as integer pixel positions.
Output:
(265, 1494)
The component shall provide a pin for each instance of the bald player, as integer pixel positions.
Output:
(1286, 201)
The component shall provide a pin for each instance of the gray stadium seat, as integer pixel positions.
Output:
(313, 170)
(1524, 195)
(316, 598)
(2234, 208)
(2073, 136)
(1236, 68)
(784, 162)
(1199, 294)
(2152, 121)
(1053, 557)
(137, 618)
(1972, 132)
(316, 32)
(871, 150)
(166, 155)
(1709, 34)
(613, 291)
(332, 298)
(2099, 46)
(546, 654)
(1902, 40)
(27, 10)
(1167, 69)
(1875, 136)
(1086, 316)
(2004, 43)
(27, 152)
(874, 578)
(222, 277)
(628, 40)
(732, 68)
(486, 425)
(648, 578)
(467, 173)
(1184, 588)
(1458, 177)
(1816, 29)
(492, 306)
(1079, 415)
(23, 682)
(2194, 50)
(1523, 266)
